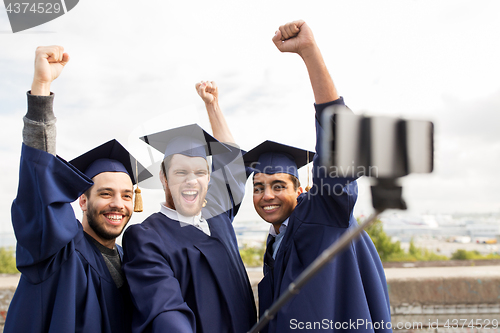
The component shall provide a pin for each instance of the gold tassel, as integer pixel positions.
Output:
(308, 187)
(138, 207)
(138, 200)
(204, 204)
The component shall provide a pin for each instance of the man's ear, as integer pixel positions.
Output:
(300, 191)
(83, 200)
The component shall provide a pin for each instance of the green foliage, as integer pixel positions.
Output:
(392, 251)
(418, 254)
(462, 254)
(386, 248)
(7, 261)
(413, 250)
(252, 256)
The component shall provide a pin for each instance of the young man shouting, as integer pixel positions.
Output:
(183, 263)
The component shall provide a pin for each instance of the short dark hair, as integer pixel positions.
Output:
(295, 181)
(165, 165)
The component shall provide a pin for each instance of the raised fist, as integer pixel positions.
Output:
(295, 37)
(208, 91)
(49, 63)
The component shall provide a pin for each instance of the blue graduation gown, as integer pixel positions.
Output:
(65, 285)
(350, 288)
(183, 280)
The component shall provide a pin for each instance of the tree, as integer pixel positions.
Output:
(253, 256)
(462, 254)
(386, 248)
(7, 261)
(392, 251)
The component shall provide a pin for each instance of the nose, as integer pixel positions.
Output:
(117, 202)
(192, 178)
(268, 193)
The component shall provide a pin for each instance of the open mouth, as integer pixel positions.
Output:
(190, 195)
(114, 218)
(270, 208)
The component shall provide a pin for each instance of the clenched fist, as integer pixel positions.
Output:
(49, 63)
(208, 91)
(295, 37)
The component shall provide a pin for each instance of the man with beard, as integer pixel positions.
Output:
(71, 277)
(182, 263)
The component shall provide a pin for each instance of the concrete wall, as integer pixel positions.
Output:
(445, 299)
(424, 299)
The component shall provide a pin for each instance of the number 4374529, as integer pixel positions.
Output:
(36, 8)
(478, 323)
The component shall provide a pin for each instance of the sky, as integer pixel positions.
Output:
(134, 66)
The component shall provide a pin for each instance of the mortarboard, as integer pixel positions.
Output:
(112, 157)
(190, 140)
(271, 157)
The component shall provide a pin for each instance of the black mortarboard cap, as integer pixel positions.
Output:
(110, 157)
(190, 140)
(271, 157)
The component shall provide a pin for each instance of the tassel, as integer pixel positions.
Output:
(138, 200)
(308, 187)
(204, 204)
(138, 207)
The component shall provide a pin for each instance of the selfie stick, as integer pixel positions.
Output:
(311, 271)
(416, 155)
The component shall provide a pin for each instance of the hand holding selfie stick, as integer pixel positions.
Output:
(388, 147)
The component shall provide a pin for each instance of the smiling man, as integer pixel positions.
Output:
(71, 277)
(273, 197)
(105, 218)
(351, 288)
(182, 263)
(276, 186)
(276, 183)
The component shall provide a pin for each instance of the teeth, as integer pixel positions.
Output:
(270, 207)
(114, 217)
(189, 192)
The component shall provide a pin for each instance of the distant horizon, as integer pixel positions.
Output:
(133, 70)
(7, 238)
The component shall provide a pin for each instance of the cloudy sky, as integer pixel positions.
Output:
(134, 65)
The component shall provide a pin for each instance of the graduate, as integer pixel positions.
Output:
(182, 263)
(71, 276)
(350, 293)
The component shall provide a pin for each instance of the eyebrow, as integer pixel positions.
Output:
(188, 168)
(102, 189)
(184, 169)
(277, 181)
